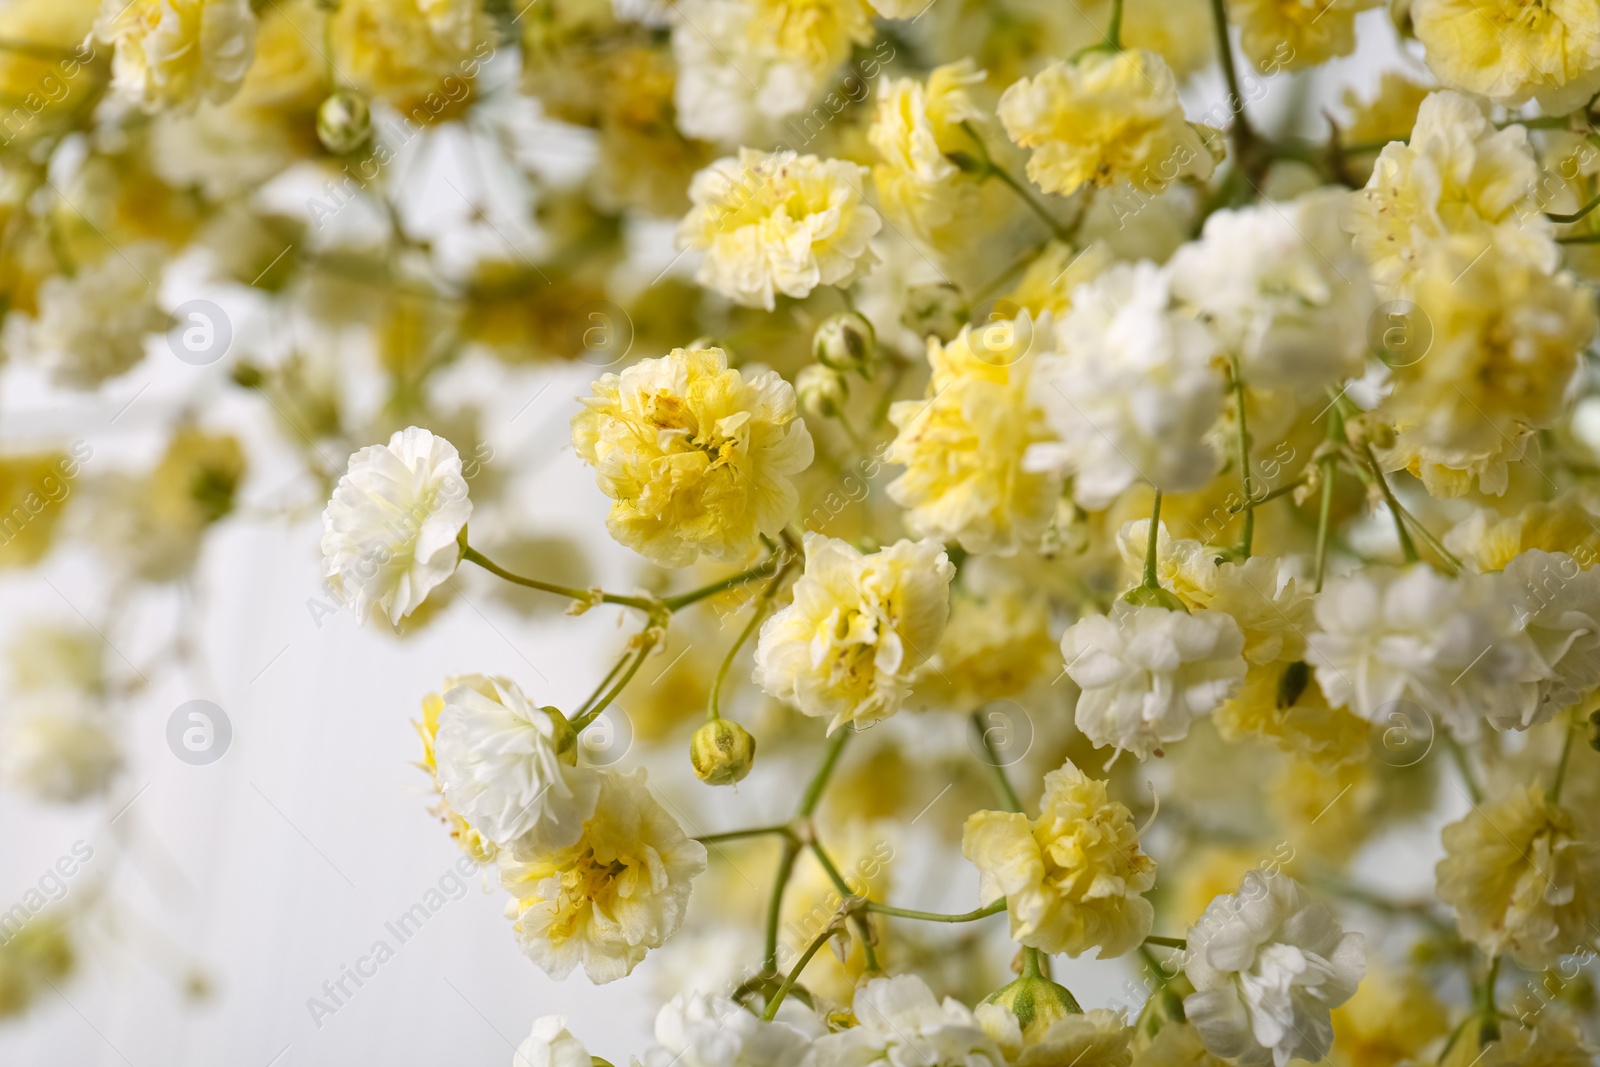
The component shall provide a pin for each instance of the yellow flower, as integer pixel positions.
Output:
(1282, 704)
(1176, 1044)
(1073, 877)
(1488, 541)
(1098, 1037)
(698, 459)
(774, 222)
(175, 53)
(1294, 34)
(1048, 282)
(1521, 881)
(420, 55)
(1391, 1019)
(1108, 117)
(1458, 175)
(963, 446)
(1511, 51)
(45, 84)
(34, 490)
(995, 646)
(845, 650)
(1327, 811)
(912, 129)
(1505, 344)
(607, 900)
(1553, 1042)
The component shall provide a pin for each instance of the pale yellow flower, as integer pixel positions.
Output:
(1487, 541)
(1457, 175)
(1521, 881)
(858, 628)
(1511, 52)
(697, 459)
(913, 127)
(1554, 1041)
(1293, 34)
(607, 900)
(1073, 878)
(1392, 1018)
(963, 446)
(1505, 344)
(176, 53)
(1047, 284)
(1176, 1044)
(1108, 117)
(1098, 1037)
(469, 840)
(995, 646)
(774, 222)
(420, 55)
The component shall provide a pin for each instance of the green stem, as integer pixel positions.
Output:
(760, 570)
(1282, 490)
(754, 831)
(869, 955)
(1459, 754)
(1002, 784)
(1576, 215)
(1243, 134)
(622, 661)
(714, 703)
(791, 852)
(1407, 546)
(1061, 232)
(1152, 578)
(1330, 466)
(937, 917)
(1554, 796)
(1031, 967)
(771, 1010)
(647, 641)
(1167, 942)
(819, 781)
(472, 555)
(1247, 536)
(1114, 27)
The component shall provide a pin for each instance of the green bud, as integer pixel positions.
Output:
(563, 737)
(1594, 731)
(821, 390)
(1292, 683)
(1154, 596)
(846, 342)
(344, 121)
(936, 310)
(722, 752)
(1038, 1003)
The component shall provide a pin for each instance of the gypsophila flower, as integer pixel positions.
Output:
(389, 534)
(860, 624)
(1073, 878)
(57, 747)
(697, 458)
(778, 223)
(914, 127)
(550, 1044)
(1147, 672)
(1131, 393)
(1512, 52)
(1267, 964)
(1106, 117)
(702, 1030)
(899, 1021)
(1098, 1037)
(176, 53)
(1520, 878)
(606, 900)
(508, 767)
(1557, 604)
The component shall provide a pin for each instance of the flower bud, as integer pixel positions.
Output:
(937, 309)
(722, 752)
(563, 737)
(846, 342)
(344, 121)
(1038, 1003)
(821, 390)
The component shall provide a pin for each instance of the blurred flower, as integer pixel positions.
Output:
(509, 768)
(389, 534)
(859, 625)
(777, 222)
(550, 1044)
(1074, 878)
(1294, 34)
(1096, 1038)
(91, 326)
(620, 891)
(58, 747)
(900, 1021)
(696, 458)
(420, 55)
(176, 53)
(1267, 964)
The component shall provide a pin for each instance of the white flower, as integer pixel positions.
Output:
(57, 747)
(175, 53)
(1557, 603)
(389, 533)
(702, 1030)
(1131, 394)
(778, 223)
(1452, 646)
(501, 766)
(608, 899)
(1281, 288)
(551, 1045)
(846, 647)
(1146, 672)
(1267, 964)
(902, 1024)
(91, 326)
